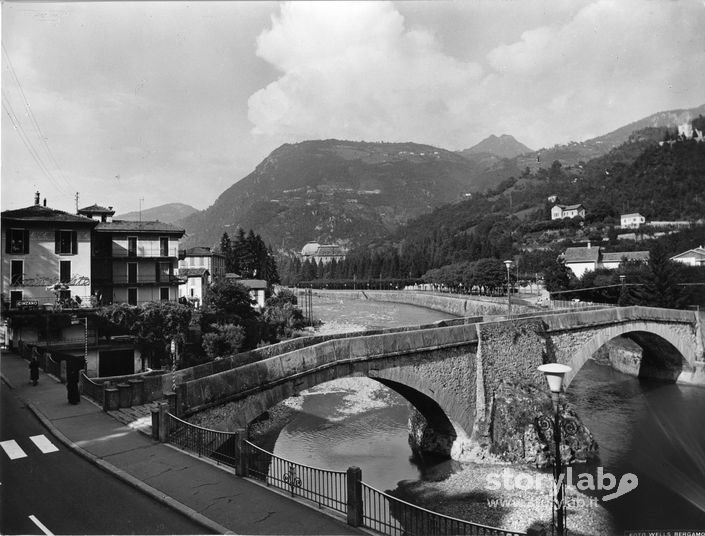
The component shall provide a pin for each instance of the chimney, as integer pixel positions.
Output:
(45, 201)
(36, 197)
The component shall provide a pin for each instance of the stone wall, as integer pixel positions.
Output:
(454, 304)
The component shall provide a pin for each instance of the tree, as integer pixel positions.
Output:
(226, 339)
(661, 285)
(157, 325)
(229, 301)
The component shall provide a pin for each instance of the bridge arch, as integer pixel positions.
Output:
(667, 351)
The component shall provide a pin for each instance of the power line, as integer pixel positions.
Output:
(33, 120)
(7, 106)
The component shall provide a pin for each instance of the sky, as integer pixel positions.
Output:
(138, 104)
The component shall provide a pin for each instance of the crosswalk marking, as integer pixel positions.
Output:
(43, 443)
(12, 449)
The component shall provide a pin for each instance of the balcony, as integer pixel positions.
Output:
(141, 280)
(141, 252)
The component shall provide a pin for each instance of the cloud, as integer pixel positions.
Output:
(358, 71)
(352, 70)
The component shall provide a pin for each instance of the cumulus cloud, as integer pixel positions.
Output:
(353, 70)
(357, 71)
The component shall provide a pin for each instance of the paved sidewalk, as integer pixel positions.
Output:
(211, 495)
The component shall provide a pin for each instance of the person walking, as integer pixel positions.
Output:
(34, 370)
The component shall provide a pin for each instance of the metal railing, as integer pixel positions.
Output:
(204, 442)
(324, 487)
(381, 512)
(91, 389)
(389, 515)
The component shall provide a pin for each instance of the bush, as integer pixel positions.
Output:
(224, 340)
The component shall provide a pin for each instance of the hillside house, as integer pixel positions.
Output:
(584, 259)
(692, 257)
(47, 256)
(559, 212)
(632, 221)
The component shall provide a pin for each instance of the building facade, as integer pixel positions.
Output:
(587, 259)
(203, 257)
(133, 262)
(692, 257)
(322, 253)
(567, 211)
(632, 221)
(46, 257)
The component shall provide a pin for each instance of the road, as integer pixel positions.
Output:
(49, 489)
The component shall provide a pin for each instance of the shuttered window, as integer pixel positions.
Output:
(66, 242)
(17, 241)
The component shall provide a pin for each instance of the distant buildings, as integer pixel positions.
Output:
(567, 211)
(631, 221)
(257, 288)
(322, 253)
(692, 257)
(584, 259)
(198, 267)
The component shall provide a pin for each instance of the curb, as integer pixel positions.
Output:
(128, 478)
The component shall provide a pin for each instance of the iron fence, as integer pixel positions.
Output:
(91, 389)
(324, 487)
(217, 445)
(388, 515)
(381, 512)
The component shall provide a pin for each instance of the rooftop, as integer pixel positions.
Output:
(40, 213)
(193, 272)
(629, 255)
(139, 226)
(96, 209)
(583, 254)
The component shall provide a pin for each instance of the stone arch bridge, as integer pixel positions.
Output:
(450, 371)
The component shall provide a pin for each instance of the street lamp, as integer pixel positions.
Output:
(508, 264)
(554, 373)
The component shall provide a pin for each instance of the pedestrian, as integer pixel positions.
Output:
(34, 371)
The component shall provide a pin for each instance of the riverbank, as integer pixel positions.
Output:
(479, 493)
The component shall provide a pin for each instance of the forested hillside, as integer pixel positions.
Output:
(654, 173)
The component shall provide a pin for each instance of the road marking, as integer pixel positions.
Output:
(12, 449)
(43, 444)
(41, 526)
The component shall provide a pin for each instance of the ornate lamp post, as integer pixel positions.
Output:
(554, 373)
(508, 264)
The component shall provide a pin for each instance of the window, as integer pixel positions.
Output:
(163, 246)
(17, 241)
(64, 271)
(15, 296)
(66, 242)
(164, 293)
(132, 246)
(163, 272)
(132, 272)
(17, 274)
(132, 296)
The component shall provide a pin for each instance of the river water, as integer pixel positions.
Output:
(655, 431)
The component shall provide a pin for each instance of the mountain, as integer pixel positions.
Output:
(504, 146)
(336, 191)
(574, 152)
(493, 169)
(169, 213)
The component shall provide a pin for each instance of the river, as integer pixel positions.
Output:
(650, 429)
